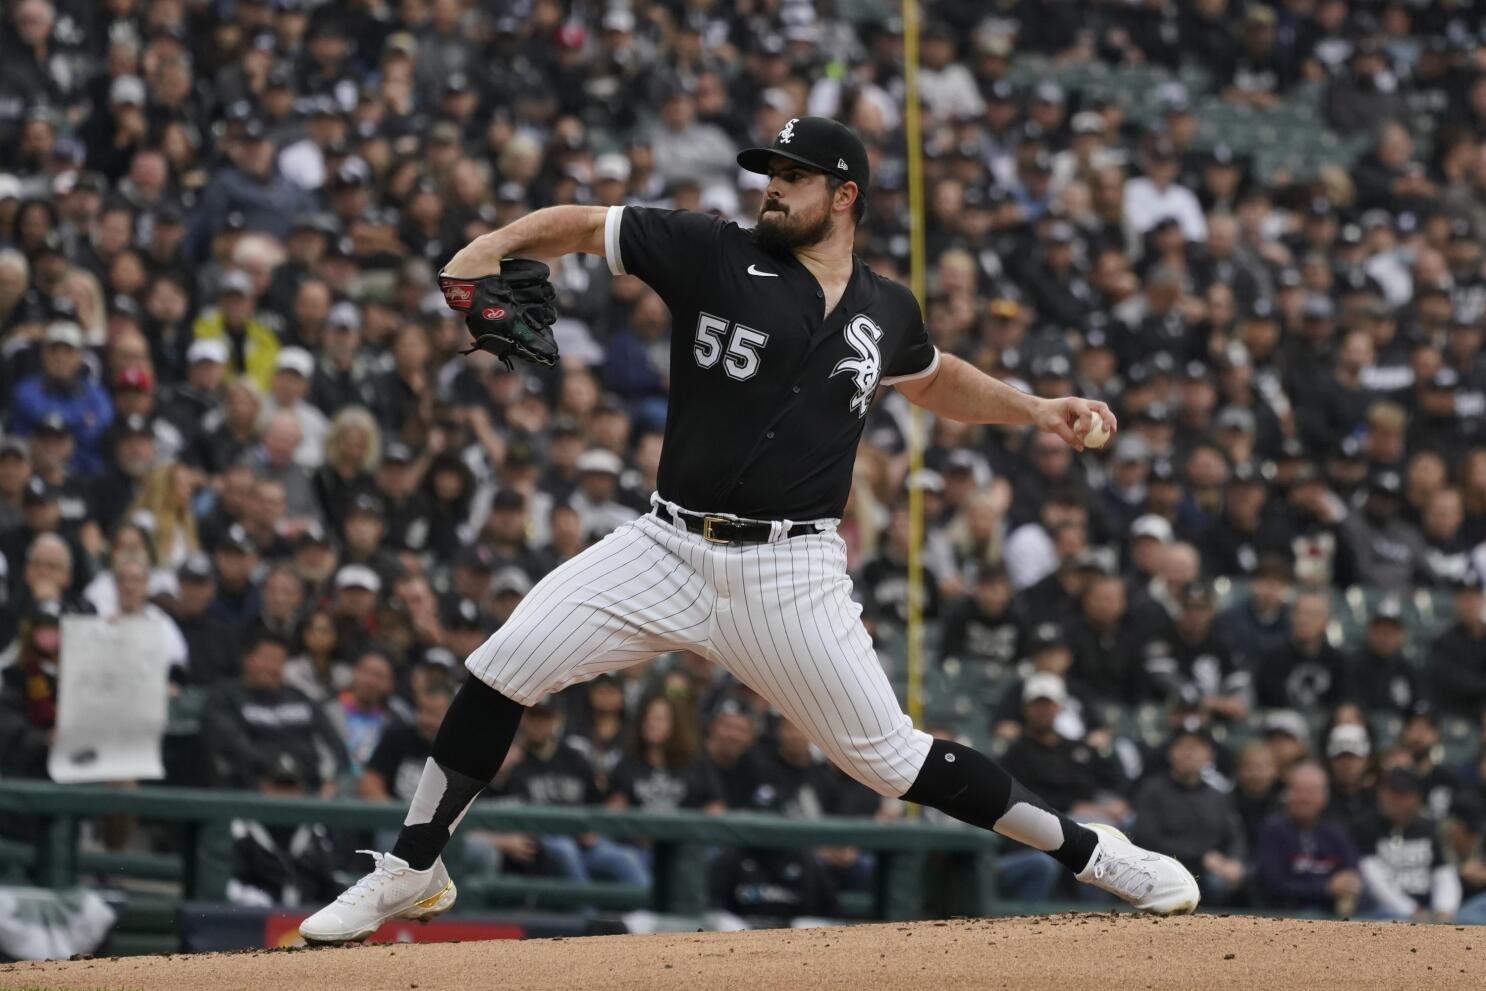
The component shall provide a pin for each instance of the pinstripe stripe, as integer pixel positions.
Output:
(528, 619)
(848, 744)
(874, 699)
(611, 623)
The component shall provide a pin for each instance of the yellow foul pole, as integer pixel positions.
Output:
(913, 132)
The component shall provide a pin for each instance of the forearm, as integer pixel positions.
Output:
(960, 391)
(547, 233)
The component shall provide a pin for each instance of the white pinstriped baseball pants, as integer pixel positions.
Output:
(779, 616)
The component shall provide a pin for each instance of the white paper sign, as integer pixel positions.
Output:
(111, 700)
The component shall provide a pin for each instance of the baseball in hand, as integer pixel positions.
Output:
(1098, 434)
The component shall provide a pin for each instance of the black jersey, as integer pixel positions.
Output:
(768, 393)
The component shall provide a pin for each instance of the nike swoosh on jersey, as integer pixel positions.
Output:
(754, 271)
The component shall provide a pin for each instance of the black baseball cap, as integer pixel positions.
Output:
(823, 144)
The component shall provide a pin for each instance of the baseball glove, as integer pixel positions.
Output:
(510, 314)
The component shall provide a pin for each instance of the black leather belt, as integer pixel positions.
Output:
(721, 530)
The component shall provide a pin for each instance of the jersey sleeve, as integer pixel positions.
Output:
(916, 357)
(669, 250)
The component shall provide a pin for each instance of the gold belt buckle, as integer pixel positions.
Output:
(707, 523)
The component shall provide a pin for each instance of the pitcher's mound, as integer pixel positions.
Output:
(1077, 952)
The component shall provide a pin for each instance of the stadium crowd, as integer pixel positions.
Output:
(235, 403)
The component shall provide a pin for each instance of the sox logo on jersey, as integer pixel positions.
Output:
(866, 368)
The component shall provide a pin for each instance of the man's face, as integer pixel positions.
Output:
(796, 211)
(282, 595)
(15, 471)
(60, 361)
(357, 603)
(263, 667)
(234, 567)
(1347, 769)
(1039, 714)
(1305, 794)
(1398, 806)
(731, 735)
(1384, 637)
(48, 566)
(1188, 756)
(364, 531)
(371, 680)
(135, 454)
(194, 597)
(539, 726)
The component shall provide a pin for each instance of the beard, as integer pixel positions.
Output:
(777, 232)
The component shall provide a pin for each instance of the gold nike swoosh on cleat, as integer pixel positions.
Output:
(432, 900)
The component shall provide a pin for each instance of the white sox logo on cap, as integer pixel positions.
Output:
(788, 134)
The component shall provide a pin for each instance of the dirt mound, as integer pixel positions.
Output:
(1061, 952)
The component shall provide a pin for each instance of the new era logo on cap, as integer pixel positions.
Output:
(841, 164)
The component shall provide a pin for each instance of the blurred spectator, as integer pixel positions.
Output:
(1180, 814)
(366, 707)
(732, 732)
(1457, 659)
(132, 580)
(1078, 716)
(604, 729)
(1068, 774)
(1387, 551)
(1261, 622)
(1465, 833)
(1256, 790)
(664, 770)
(28, 696)
(1383, 677)
(1307, 862)
(1353, 799)
(211, 643)
(1202, 660)
(62, 387)
(1403, 863)
(984, 628)
(318, 667)
(248, 722)
(281, 865)
(1109, 648)
(550, 772)
(392, 770)
(1306, 671)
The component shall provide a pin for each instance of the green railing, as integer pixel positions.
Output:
(922, 869)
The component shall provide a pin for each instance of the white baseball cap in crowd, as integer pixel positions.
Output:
(599, 460)
(297, 360)
(1045, 685)
(358, 576)
(1348, 738)
(1151, 525)
(64, 332)
(611, 166)
(211, 349)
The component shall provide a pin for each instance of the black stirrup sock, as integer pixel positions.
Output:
(470, 747)
(973, 788)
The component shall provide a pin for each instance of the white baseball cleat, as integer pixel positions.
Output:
(1151, 882)
(392, 890)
